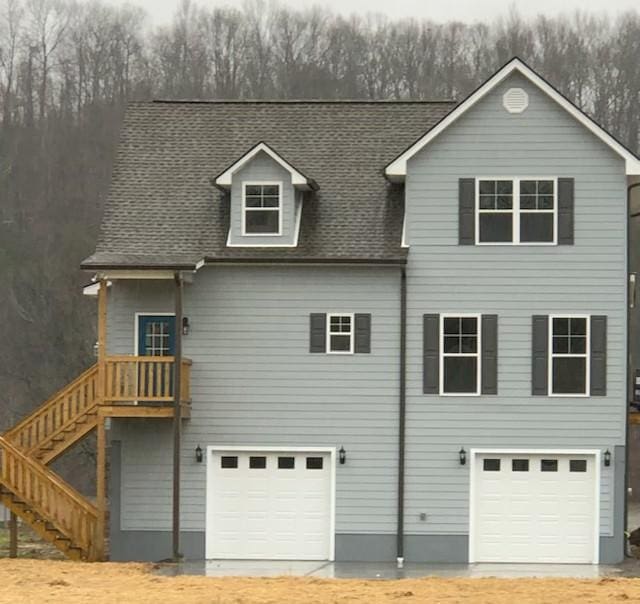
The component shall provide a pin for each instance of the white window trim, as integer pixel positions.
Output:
(516, 210)
(477, 354)
(586, 356)
(352, 334)
(261, 183)
(474, 453)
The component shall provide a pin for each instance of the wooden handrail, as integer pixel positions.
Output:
(143, 379)
(72, 401)
(50, 496)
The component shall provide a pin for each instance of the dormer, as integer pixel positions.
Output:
(266, 199)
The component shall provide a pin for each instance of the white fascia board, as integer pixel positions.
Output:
(397, 169)
(297, 178)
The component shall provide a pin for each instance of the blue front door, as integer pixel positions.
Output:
(156, 335)
(156, 338)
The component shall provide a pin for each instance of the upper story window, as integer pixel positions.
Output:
(569, 357)
(460, 357)
(516, 211)
(340, 333)
(262, 209)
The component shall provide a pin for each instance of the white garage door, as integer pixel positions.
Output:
(269, 505)
(534, 508)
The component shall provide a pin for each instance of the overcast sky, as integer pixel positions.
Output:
(436, 10)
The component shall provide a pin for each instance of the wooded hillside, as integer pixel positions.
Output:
(68, 68)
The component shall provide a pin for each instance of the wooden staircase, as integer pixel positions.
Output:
(52, 507)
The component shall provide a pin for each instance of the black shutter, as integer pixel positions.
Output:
(431, 369)
(565, 211)
(467, 211)
(318, 332)
(489, 354)
(540, 355)
(598, 355)
(363, 333)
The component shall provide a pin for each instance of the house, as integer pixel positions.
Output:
(397, 331)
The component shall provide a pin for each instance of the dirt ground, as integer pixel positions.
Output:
(43, 581)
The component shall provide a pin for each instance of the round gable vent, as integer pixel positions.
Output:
(515, 100)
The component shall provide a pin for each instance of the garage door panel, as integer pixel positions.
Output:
(278, 509)
(535, 508)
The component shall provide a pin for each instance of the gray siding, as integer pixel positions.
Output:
(263, 168)
(255, 383)
(514, 283)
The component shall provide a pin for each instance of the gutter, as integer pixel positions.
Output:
(629, 369)
(402, 408)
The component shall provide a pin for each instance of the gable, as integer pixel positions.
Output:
(397, 169)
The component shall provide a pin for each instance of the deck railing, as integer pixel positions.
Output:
(134, 379)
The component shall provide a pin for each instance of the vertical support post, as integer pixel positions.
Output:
(101, 469)
(101, 486)
(13, 536)
(177, 417)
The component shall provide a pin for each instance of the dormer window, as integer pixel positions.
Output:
(262, 212)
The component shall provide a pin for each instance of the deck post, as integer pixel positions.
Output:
(13, 535)
(177, 417)
(101, 487)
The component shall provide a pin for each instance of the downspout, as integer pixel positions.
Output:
(177, 416)
(629, 367)
(402, 416)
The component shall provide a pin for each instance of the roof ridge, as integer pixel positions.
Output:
(296, 102)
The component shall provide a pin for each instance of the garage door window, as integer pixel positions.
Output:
(549, 465)
(228, 462)
(257, 463)
(314, 463)
(569, 355)
(578, 465)
(286, 463)
(491, 465)
(520, 465)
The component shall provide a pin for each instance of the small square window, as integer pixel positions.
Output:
(520, 465)
(491, 465)
(549, 465)
(286, 463)
(314, 463)
(578, 465)
(228, 461)
(257, 462)
(340, 333)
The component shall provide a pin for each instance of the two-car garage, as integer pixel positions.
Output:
(537, 506)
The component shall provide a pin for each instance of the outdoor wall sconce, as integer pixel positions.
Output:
(607, 458)
(198, 454)
(185, 326)
(462, 454)
(342, 456)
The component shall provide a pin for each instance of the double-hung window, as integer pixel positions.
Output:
(569, 359)
(262, 211)
(516, 211)
(340, 333)
(460, 354)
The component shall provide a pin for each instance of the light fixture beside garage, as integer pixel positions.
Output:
(607, 458)
(462, 454)
(199, 454)
(342, 456)
(185, 326)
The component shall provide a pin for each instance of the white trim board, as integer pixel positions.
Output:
(297, 178)
(210, 449)
(474, 452)
(397, 169)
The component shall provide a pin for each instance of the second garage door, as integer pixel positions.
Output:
(534, 508)
(269, 505)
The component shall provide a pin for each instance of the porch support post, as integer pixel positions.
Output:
(101, 445)
(177, 416)
(101, 486)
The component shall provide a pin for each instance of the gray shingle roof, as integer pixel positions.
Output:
(162, 209)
